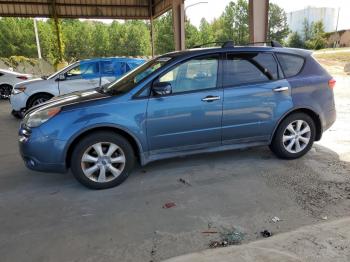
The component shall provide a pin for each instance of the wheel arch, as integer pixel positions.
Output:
(310, 112)
(135, 144)
(32, 96)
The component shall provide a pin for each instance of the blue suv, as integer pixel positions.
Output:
(181, 103)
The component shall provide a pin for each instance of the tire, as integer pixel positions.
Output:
(89, 170)
(5, 91)
(38, 99)
(282, 142)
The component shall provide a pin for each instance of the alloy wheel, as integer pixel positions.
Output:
(103, 162)
(296, 136)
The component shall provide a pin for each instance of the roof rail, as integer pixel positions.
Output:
(229, 43)
(272, 43)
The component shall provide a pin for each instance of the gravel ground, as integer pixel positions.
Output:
(50, 217)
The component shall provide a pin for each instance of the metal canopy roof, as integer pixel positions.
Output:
(113, 9)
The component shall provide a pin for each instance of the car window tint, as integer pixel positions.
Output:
(268, 62)
(290, 64)
(195, 74)
(243, 69)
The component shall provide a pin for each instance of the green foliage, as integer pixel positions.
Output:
(295, 40)
(164, 35)
(314, 35)
(278, 27)
(88, 38)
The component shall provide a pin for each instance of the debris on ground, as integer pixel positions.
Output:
(275, 219)
(169, 205)
(210, 232)
(266, 233)
(216, 244)
(183, 181)
(228, 238)
(324, 218)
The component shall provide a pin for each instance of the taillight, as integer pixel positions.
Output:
(22, 77)
(331, 83)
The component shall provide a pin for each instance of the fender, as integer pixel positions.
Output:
(104, 125)
(291, 111)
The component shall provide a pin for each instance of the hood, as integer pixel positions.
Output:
(69, 99)
(28, 82)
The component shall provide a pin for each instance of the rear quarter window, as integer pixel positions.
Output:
(291, 64)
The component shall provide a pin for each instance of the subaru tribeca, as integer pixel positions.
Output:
(181, 103)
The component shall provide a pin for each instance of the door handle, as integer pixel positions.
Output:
(281, 89)
(210, 98)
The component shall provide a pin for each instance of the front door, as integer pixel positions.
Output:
(255, 97)
(82, 77)
(189, 118)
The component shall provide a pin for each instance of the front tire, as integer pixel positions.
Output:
(38, 99)
(102, 160)
(294, 136)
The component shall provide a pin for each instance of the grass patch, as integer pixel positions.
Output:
(339, 56)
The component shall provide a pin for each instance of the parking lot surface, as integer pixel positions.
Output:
(51, 217)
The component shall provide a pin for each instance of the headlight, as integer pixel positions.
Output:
(18, 90)
(39, 117)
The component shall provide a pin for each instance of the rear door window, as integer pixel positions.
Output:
(240, 69)
(291, 64)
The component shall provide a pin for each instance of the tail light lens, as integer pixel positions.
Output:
(22, 77)
(331, 83)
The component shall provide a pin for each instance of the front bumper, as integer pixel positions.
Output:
(39, 152)
(18, 101)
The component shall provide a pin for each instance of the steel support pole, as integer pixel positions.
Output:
(37, 38)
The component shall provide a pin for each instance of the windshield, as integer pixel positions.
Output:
(130, 79)
(58, 72)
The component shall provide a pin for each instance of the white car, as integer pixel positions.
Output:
(79, 76)
(8, 79)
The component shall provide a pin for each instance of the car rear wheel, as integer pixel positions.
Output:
(38, 99)
(102, 160)
(294, 136)
(5, 91)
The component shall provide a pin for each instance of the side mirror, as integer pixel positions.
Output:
(61, 77)
(161, 88)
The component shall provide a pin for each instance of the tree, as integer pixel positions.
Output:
(164, 35)
(278, 27)
(205, 32)
(295, 40)
(317, 38)
(235, 22)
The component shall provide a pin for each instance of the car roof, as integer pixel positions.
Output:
(237, 49)
(121, 59)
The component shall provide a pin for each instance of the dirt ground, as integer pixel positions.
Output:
(50, 217)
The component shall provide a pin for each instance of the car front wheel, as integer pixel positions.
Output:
(294, 136)
(102, 160)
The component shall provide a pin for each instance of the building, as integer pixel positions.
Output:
(339, 39)
(327, 15)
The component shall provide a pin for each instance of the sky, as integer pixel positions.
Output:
(214, 8)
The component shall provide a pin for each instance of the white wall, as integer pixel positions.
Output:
(312, 14)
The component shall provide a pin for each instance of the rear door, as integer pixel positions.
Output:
(255, 97)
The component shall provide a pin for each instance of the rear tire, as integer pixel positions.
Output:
(38, 99)
(294, 136)
(5, 91)
(102, 160)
